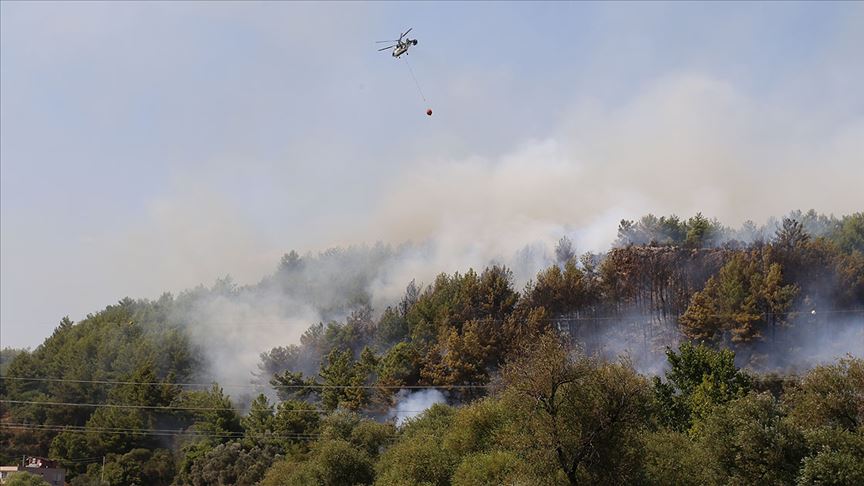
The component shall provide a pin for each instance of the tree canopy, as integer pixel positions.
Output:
(676, 357)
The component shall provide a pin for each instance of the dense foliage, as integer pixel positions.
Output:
(533, 384)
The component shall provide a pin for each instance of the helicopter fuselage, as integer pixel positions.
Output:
(402, 46)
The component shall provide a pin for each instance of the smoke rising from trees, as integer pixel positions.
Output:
(234, 324)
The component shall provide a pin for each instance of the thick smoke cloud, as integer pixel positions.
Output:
(233, 329)
(232, 325)
(684, 144)
(687, 143)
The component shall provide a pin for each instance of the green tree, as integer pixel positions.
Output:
(650, 230)
(338, 462)
(295, 421)
(277, 361)
(850, 234)
(229, 463)
(752, 442)
(133, 341)
(25, 479)
(139, 467)
(560, 291)
(836, 458)
(418, 456)
(344, 380)
(581, 417)
(291, 471)
(627, 234)
(259, 420)
(400, 366)
(212, 420)
(703, 321)
(290, 262)
(699, 378)
(72, 450)
(372, 437)
(746, 299)
(139, 388)
(477, 427)
(392, 328)
(114, 430)
(564, 251)
(211, 412)
(7, 354)
(458, 358)
(290, 385)
(791, 235)
(700, 231)
(672, 457)
(489, 469)
(331, 463)
(830, 396)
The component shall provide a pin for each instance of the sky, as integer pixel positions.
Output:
(151, 147)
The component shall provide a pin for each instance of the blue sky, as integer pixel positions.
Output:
(153, 146)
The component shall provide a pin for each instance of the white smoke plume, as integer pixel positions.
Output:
(411, 404)
(232, 330)
(685, 143)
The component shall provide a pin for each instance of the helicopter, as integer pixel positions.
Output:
(401, 46)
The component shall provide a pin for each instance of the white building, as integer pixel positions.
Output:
(48, 469)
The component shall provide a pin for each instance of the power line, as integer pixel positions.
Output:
(120, 382)
(129, 429)
(119, 430)
(250, 385)
(82, 461)
(148, 431)
(169, 407)
(164, 432)
(112, 405)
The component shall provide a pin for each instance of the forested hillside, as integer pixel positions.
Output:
(688, 353)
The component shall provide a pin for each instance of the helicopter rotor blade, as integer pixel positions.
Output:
(388, 47)
(406, 32)
(381, 42)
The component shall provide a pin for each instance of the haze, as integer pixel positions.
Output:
(150, 147)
